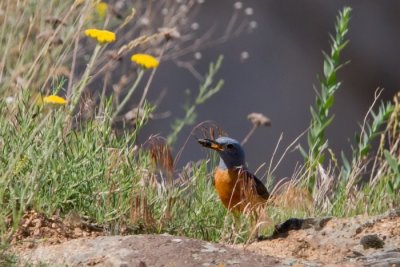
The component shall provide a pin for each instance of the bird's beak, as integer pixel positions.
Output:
(210, 144)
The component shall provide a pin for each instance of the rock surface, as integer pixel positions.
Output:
(361, 240)
(144, 250)
(297, 242)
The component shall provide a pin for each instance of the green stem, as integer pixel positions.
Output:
(23, 147)
(85, 78)
(128, 96)
(146, 89)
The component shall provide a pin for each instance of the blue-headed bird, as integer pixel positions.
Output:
(239, 190)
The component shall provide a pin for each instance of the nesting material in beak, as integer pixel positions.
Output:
(210, 144)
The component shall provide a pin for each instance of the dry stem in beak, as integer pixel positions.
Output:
(210, 144)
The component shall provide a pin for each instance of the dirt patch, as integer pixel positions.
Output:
(340, 240)
(35, 228)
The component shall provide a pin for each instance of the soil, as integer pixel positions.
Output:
(35, 229)
(357, 241)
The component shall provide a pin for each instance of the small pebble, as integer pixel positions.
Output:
(372, 241)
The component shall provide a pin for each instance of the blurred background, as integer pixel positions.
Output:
(272, 67)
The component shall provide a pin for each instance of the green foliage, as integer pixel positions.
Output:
(206, 91)
(7, 259)
(394, 164)
(52, 164)
(364, 141)
(374, 130)
(91, 171)
(352, 190)
(320, 118)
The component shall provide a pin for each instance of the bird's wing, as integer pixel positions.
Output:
(256, 183)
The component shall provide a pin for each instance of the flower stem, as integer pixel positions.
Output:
(85, 78)
(131, 90)
(146, 89)
(251, 132)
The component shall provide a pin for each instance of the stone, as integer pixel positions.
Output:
(142, 250)
(372, 241)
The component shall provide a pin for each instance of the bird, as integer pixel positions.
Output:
(239, 190)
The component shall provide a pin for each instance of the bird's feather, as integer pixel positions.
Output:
(239, 189)
(255, 182)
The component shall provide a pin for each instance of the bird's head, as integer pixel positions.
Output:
(229, 150)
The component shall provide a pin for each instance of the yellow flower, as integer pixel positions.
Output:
(54, 99)
(144, 60)
(101, 36)
(21, 165)
(101, 9)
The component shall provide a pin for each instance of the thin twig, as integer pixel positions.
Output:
(251, 132)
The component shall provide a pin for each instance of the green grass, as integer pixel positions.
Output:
(55, 161)
(97, 174)
(366, 183)
(58, 159)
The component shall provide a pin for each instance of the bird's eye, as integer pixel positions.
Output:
(229, 146)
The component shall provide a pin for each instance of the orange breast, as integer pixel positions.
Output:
(226, 187)
(235, 193)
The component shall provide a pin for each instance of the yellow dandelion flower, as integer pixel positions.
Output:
(54, 99)
(101, 9)
(101, 36)
(144, 60)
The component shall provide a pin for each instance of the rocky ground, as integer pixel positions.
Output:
(361, 240)
(358, 241)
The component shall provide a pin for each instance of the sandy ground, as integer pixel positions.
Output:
(341, 240)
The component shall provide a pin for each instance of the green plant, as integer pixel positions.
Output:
(393, 185)
(91, 171)
(364, 141)
(320, 118)
(206, 90)
(55, 163)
